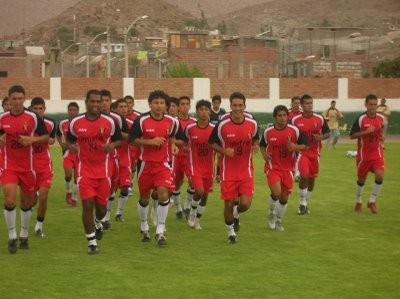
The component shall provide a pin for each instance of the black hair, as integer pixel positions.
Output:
(92, 91)
(105, 93)
(203, 103)
(295, 98)
(279, 108)
(305, 97)
(37, 101)
(73, 104)
(216, 97)
(370, 97)
(155, 94)
(237, 95)
(183, 98)
(16, 88)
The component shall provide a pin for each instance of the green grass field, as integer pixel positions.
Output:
(331, 253)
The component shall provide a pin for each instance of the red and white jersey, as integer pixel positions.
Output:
(146, 127)
(133, 115)
(245, 113)
(201, 155)
(310, 126)
(369, 146)
(184, 123)
(240, 137)
(292, 113)
(17, 157)
(276, 142)
(62, 129)
(90, 136)
(41, 151)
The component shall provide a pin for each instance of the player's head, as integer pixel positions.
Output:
(306, 102)
(16, 89)
(121, 106)
(106, 100)
(295, 103)
(280, 114)
(93, 102)
(92, 92)
(184, 105)
(16, 96)
(158, 103)
(130, 101)
(113, 107)
(203, 109)
(370, 97)
(38, 106)
(6, 104)
(371, 104)
(279, 108)
(216, 101)
(237, 96)
(172, 106)
(73, 109)
(157, 94)
(333, 103)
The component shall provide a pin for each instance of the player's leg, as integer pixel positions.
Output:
(162, 213)
(273, 181)
(378, 168)
(145, 185)
(43, 194)
(281, 207)
(362, 172)
(10, 195)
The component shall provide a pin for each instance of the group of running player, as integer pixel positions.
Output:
(103, 147)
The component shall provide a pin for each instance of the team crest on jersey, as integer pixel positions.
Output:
(315, 125)
(102, 129)
(168, 131)
(25, 126)
(249, 135)
(289, 137)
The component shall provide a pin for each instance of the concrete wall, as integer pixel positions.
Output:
(262, 94)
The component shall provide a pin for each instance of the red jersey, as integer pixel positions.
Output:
(276, 142)
(15, 156)
(246, 114)
(133, 115)
(62, 129)
(184, 123)
(41, 151)
(201, 155)
(292, 114)
(310, 126)
(369, 146)
(240, 137)
(147, 127)
(90, 136)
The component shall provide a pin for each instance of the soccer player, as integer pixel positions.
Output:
(201, 158)
(215, 116)
(236, 138)
(332, 116)
(42, 164)
(69, 159)
(315, 128)
(155, 132)
(172, 107)
(6, 105)
(278, 147)
(94, 136)
(19, 129)
(368, 130)
(181, 162)
(295, 108)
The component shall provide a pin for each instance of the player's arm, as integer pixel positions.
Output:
(52, 136)
(356, 132)
(136, 136)
(264, 149)
(116, 140)
(325, 132)
(215, 144)
(301, 144)
(42, 135)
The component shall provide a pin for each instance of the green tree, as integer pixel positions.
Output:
(222, 27)
(182, 70)
(388, 68)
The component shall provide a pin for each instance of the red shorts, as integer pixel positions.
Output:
(363, 167)
(134, 152)
(181, 168)
(124, 177)
(25, 179)
(232, 189)
(44, 178)
(205, 183)
(152, 175)
(114, 173)
(69, 160)
(284, 177)
(99, 189)
(308, 167)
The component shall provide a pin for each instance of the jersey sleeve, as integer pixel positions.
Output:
(117, 132)
(302, 139)
(41, 127)
(136, 131)
(53, 131)
(263, 142)
(214, 135)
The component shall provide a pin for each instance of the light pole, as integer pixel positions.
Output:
(62, 57)
(126, 43)
(87, 52)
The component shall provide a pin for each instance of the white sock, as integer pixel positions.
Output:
(235, 212)
(303, 197)
(280, 209)
(10, 217)
(143, 211)
(109, 207)
(67, 186)
(121, 204)
(272, 204)
(359, 191)
(25, 220)
(75, 193)
(230, 230)
(375, 190)
(39, 225)
(97, 223)
(176, 198)
(162, 213)
(189, 198)
(194, 207)
(309, 193)
(91, 238)
(200, 211)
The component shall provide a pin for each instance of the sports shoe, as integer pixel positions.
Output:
(278, 226)
(154, 217)
(93, 249)
(358, 207)
(197, 225)
(119, 218)
(191, 220)
(236, 224)
(106, 225)
(12, 245)
(179, 215)
(187, 213)
(372, 206)
(39, 233)
(271, 219)
(303, 210)
(145, 236)
(23, 243)
(232, 240)
(161, 240)
(68, 198)
(99, 233)
(74, 203)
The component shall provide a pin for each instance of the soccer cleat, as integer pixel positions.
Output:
(74, 203)
(303, 210)
(68, 198)
(93, 249)
(197, 225)
(99, 233)
(145, 236)
(191, 221)
(372, 206)
(358, 207)
(271, 220)
(12, 245)
(161, 240)
(232, 239)
(154, 217)
(106, 225)
(278, 226)
(179, 215)
(187, 213)
(23, 243)
(119, 218)
(236, 224)
(39, 233)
